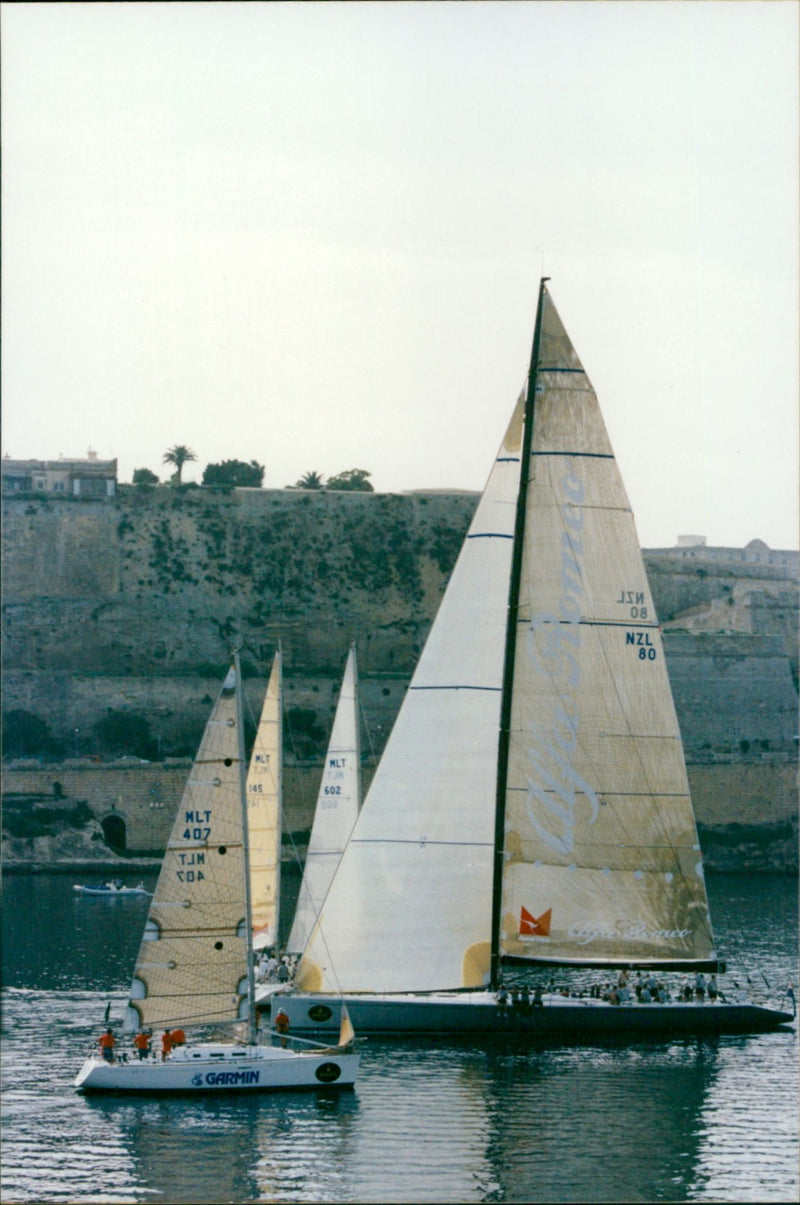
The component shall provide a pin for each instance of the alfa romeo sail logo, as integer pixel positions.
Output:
(532, 927)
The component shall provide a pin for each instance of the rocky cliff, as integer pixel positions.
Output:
(130, 606)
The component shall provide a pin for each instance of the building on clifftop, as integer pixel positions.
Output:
(90, 478)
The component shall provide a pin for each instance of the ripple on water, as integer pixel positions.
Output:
(712, 1120)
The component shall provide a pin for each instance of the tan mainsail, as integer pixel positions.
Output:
(600, 834)
(264, 808)
(192, 964)
(338, 802)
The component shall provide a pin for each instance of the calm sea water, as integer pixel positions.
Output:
(688, 1120)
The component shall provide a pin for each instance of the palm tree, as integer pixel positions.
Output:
(311, 480)
(178, 455)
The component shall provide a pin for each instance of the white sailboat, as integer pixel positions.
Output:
(336, 812)
(532, 803)
(195, 964)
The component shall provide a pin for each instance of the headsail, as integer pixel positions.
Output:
(192, 963)
(409, 907)
(264, 809)
(602, 860)
(336, 812)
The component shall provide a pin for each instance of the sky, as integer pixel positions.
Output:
(312, 235)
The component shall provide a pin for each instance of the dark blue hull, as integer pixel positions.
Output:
(558, 1017)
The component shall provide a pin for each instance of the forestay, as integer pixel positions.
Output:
(338, 802)
(410, 906)
(602, 860)
(192, 964)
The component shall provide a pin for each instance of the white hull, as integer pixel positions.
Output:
(448, 1013)
(229, 1069)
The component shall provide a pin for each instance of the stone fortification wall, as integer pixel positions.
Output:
(133, 604)
(185, 574)
(734, 694)
(746, 814)
(145, 798)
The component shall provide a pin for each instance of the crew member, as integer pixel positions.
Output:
(142, 1043)
(282, 1025)
(166, 1045)
(107, 1043)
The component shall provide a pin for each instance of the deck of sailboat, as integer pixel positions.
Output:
(558, 1017)
(208, 1068)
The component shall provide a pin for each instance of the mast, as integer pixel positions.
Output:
(511, 644)
(248, 918)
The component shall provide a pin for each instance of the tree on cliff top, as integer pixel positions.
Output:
(312, 480)
(350, 479)
(179, 455)
(234, 472)
(144, 477)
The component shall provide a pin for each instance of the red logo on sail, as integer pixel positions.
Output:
(534, 926)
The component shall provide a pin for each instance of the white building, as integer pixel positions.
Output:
(90, 478)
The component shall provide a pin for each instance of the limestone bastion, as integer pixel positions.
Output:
(130, 606)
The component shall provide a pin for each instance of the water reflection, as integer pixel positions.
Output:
(747, 1128)
(498, 1120)
(506, 1122)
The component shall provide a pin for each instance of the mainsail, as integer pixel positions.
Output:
(409, 907)
(557, 827)
(192, 963)
(336, 812)
(602, 862)
(264, 809)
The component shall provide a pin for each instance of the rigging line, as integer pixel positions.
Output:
(373, 757)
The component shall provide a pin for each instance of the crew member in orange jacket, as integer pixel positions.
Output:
(107, 1043)
(282, 1025)
(142, 1043)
